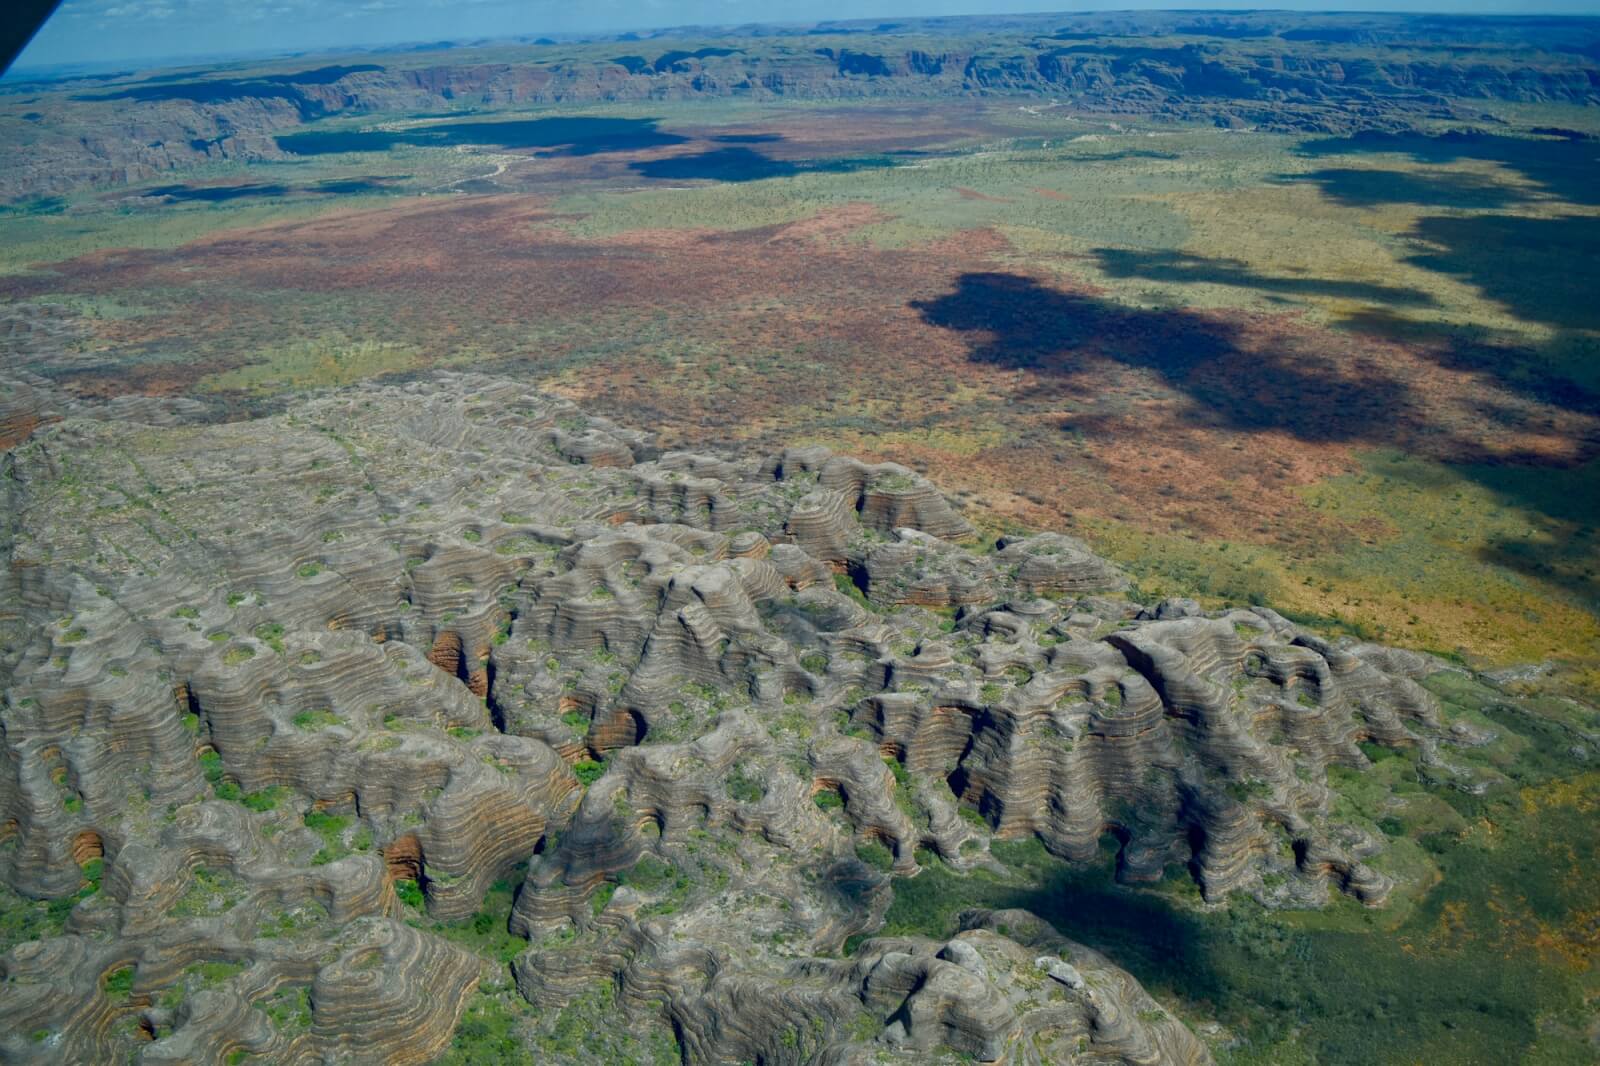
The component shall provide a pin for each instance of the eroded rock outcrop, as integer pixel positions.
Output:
(282, 696)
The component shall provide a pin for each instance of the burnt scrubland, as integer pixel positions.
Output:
(1287, 320)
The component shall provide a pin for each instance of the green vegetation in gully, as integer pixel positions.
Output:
(23, 919)
(1483, 956)
(500, 1027)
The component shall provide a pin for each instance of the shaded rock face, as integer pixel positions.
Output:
(256, 675)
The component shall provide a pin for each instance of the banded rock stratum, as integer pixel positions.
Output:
(266, 679)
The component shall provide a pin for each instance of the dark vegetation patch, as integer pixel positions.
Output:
(1185, 268)
(217, 193)
(213, 91)
(1560, 373)
(577, 136)
(348, 186)
(1564, 168)
(322, 75)
(317, 76)
(1016, 323)
(1244, 383)
(1569, 495)
(40, 205)
(859, 63)
(265, 190)
(1357, 187)
(677, 60)
(1544, 270)
(746, 164)
(1328, 36)
(1121, 155)
(1321, 394)
(204, 92)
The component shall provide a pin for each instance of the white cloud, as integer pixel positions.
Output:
(154, 10)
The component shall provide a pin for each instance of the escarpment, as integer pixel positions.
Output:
(288, 703)
(1278, 71)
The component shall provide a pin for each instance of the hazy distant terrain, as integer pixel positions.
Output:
(1274, 71)
(1270, 310)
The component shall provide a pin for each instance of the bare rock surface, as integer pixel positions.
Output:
(281, 696)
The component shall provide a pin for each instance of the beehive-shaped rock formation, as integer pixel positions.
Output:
(282, 695)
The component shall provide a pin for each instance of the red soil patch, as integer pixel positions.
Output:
(14, 429)
(974, 194)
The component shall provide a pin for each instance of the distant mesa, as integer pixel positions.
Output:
(1269, 71)
(210, 90)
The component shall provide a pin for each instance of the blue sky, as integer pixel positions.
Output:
(95, 32)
